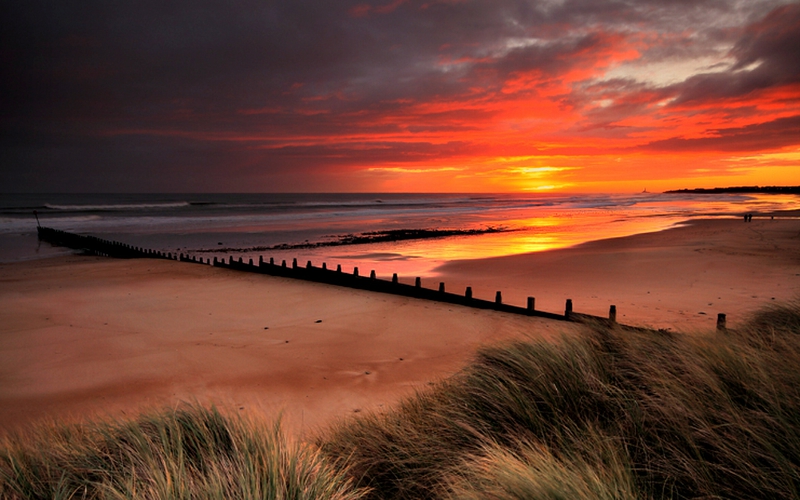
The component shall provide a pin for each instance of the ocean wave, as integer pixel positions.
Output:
(115, 207)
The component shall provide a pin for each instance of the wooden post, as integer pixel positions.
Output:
(283, 264)
(468, 292)
(250, 262)
(441, 287)
(498, 298)
(531, 303)
(568, 308)
(418, 282)
(612, 314)
(241, 261)
(271, 261)
(372, 274)
(394, 278)
(721, 320)
(215, 261)
(294, 263)
(230, 259)
(338, 268)
(324, 266)
(260, 260)
(355, 271)
(308, 265)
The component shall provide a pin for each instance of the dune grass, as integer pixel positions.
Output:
(612, 414)
(188, 453)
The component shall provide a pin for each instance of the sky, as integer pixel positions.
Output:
(398, 95)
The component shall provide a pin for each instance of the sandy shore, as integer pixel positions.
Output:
(83, 336)
(680, 278)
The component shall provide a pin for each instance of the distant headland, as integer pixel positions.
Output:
(742, 189)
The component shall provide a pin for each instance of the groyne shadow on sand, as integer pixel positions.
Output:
(337, 277)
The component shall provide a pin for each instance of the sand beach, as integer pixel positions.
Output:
(87, 336)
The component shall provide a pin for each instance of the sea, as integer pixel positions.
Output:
(316, 227)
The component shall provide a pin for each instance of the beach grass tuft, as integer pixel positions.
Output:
(188, 453)
(611, 414)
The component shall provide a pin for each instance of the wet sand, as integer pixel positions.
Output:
(87, 336)
(680, 278)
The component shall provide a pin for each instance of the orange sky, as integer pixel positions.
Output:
(403, 96)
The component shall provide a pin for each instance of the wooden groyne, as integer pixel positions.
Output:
(97, 246)
(337, 277)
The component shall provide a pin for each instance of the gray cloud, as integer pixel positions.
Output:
(771, 44)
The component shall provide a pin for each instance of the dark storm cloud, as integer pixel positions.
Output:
(136, 58)
(763, 136)
(136, 95)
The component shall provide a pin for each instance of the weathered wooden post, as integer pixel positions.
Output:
(240, 260)
(498, 297)
(271, 261)
(568, 308)
(531, 304)
(355, 271)
(260, 260)
(394, 278)
(215, 261)
(338, 268)
(308, 265)
(230, 259)
(372, 274)
(294, 263)
(612, 314)
(468, 292)
(441, 287)
(324, 266)
(283, 263)
(250, 261)
(418, 282)
(721, 320)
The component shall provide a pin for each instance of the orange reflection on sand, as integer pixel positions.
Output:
(536, 229)
(526, 235)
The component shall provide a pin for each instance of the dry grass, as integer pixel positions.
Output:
(615, 414)
(189, 453)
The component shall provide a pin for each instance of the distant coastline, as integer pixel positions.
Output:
(741, 189)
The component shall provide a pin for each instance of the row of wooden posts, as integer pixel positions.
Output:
(333, 277)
